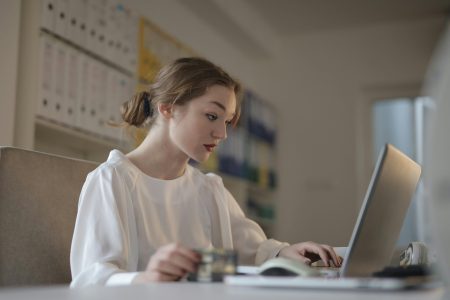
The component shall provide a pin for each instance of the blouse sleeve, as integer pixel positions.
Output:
(247, 236)
(104, 242)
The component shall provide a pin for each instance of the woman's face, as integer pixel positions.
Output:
(198, 126)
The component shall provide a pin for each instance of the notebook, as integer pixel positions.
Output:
(376, 231)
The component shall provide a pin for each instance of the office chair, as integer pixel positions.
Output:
(38, 206)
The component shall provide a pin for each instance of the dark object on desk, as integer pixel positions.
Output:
(403, 271)
(278, 272)
(214, 265)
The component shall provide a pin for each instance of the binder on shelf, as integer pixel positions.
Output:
(48, 14)
(72, 86)
(127, 90)
(72, 21)
(101, 25)
(60, 73)
(231, 153)
(112, 108)
(128, 30)
(91, 25)
(259, 118)
(82, 103)
(262, 213)
(121, 91)
(92, 95)
(240, 154)
(61, 20)
(76, 13)
(82, 24)
(102, 101)
(123, 50)
(89, 92)
(252, 171)
(256, 126)
(272, 170)
(131, 40)
(119, 98)
(271, 126)
(119, 15)
(268, 124)
(47, 53)
(111, 30)
(225, 158)
(263, 163)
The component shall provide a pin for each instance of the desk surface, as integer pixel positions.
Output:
(197, 291)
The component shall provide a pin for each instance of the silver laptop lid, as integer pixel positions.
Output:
(383, 211)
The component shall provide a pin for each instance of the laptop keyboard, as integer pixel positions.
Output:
(327, 272)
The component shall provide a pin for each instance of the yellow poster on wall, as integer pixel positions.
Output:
(156, 49)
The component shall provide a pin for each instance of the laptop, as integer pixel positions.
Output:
(376, 231)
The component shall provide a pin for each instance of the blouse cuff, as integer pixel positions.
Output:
(268, 249)
(121, 278)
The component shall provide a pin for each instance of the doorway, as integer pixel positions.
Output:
(401, 122)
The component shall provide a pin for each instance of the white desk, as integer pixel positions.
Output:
(196, 291)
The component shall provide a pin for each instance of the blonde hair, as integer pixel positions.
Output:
(178, 83)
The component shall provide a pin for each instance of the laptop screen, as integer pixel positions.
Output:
(383, 211)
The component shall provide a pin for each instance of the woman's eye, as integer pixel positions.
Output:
(211, 117)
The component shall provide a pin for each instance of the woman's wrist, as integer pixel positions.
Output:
(140, 278)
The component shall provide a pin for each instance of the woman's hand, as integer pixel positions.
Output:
(309, 252)
(169, 263)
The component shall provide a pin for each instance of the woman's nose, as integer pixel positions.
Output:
(220, 132)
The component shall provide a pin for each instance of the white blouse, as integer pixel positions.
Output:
(124, 216)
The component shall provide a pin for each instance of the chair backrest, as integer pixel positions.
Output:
(38, 206)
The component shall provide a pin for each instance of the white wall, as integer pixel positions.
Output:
(320, 91)
(9, 41)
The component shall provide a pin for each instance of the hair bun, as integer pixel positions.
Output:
(148, 109)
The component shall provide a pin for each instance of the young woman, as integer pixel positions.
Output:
(141, 214)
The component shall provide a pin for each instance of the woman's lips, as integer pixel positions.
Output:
(209, 147)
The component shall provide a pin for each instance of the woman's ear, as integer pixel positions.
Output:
(165, 110)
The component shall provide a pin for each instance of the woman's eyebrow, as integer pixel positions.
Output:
(220, 105)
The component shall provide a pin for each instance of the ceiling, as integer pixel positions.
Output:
(249, 24)
(288, 17)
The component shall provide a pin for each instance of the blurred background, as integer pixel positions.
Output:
(327, 84)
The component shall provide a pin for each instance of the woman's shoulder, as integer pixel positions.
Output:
(117, 165)
(210, 179)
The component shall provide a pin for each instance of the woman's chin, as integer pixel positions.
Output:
(201, 158)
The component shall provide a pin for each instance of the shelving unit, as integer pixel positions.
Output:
(75, 71)
(62, 139)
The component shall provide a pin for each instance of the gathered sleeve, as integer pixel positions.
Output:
(247, 237)
(104, 245)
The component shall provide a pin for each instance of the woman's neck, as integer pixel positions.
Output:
(158, 158)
